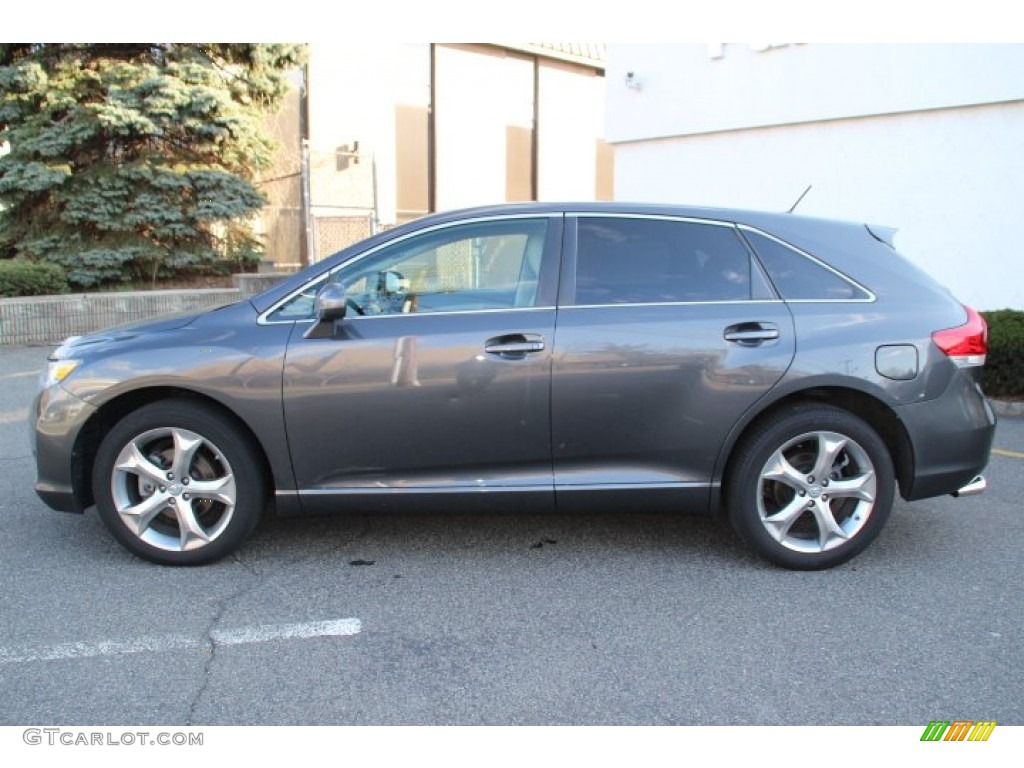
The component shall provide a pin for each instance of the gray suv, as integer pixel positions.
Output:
(788, 373)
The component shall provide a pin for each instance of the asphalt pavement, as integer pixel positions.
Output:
(615, 619)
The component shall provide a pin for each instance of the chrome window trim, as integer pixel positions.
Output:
(672, 303)
(262, 319)
(357, 318)
(872, 297)
(654, 216)
(871, 300)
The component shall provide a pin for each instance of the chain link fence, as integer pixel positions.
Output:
(332, 233)
(283, 233)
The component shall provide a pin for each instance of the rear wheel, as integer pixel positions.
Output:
(811, 487)
(177, 484)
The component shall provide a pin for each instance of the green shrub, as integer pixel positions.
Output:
(31, 278)
(1004, 370)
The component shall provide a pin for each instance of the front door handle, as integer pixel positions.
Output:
(751, 334)
(514, 345)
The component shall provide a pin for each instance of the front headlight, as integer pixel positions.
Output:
(57, 371)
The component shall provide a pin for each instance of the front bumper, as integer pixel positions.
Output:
(55, 422)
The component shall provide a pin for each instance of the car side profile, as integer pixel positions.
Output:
(789, 373)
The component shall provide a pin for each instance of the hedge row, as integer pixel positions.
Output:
(30, 278)
(1003, 375)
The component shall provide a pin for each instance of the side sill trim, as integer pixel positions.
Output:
(372, 490)
(631, 486)
(376, 491)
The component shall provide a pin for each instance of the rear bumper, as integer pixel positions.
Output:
(951, 438)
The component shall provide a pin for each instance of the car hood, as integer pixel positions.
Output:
(75, 344)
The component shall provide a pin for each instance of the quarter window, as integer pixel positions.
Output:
(797, 277)
(641, 261)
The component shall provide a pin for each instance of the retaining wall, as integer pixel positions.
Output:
(51, 319)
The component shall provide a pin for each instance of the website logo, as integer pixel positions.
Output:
(958, 730)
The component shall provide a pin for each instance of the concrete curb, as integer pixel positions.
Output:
(1004, 408)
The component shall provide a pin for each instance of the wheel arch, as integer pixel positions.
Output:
(111, 412)
(879, 416)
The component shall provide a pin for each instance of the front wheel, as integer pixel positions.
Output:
(811, 487)
(176, 484)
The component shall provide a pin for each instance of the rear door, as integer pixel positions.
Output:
(667, 333)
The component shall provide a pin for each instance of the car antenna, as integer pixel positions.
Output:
(793, 208)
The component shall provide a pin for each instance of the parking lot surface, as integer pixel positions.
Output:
(434, 618)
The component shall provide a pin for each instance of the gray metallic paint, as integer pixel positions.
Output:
(645, 394)
(447, 414)
(222, 355)
(649, 398)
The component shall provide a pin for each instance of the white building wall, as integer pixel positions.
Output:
(481, 95)
(478, 98)
(570, 128)
(353, 89)
(929, 139)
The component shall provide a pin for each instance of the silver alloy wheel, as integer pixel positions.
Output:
(816, 492)
(173, 489)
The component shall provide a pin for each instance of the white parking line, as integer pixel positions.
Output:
(221, 637)
(268, 632)
(19, 375)
(9, 417)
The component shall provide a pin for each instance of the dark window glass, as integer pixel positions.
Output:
(798, 277)
(639, 261)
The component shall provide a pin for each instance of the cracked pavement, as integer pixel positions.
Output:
(627, 618)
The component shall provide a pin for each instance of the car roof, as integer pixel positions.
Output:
(735, 215)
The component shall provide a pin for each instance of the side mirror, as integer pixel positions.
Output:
(331, 303)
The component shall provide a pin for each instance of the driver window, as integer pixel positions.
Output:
(469, 267)
(492, 265)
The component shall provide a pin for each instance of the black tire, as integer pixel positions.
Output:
(159, 514)
(794, 519)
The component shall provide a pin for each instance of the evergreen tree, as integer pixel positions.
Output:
(129, 160)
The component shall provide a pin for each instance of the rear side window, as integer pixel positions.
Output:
(642, 261)
(798, 277)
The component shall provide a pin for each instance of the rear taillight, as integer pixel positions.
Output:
(967, 344)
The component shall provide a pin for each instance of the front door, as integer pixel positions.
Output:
(437, 380)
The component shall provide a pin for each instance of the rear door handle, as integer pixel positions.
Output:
(751, 334)
(515, 344)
